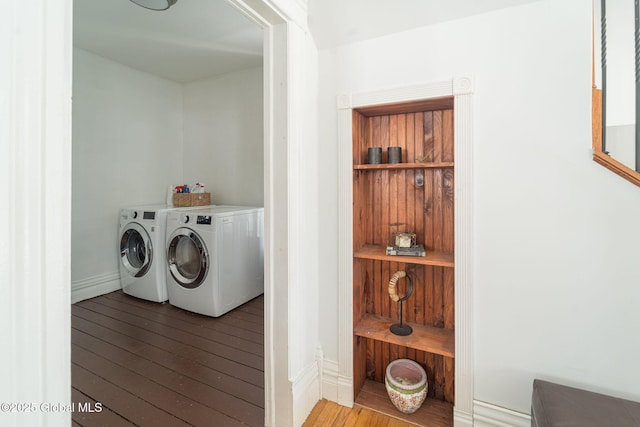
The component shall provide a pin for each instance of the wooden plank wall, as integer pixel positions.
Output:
(383, 197)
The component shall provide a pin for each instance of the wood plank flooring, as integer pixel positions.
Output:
(139, 363)
(433, 413)
(136, 362)
(330, 414)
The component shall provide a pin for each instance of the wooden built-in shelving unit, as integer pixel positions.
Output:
(385, 194)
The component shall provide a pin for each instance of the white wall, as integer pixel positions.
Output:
(556, 285)
(120, 115)
(223, 137)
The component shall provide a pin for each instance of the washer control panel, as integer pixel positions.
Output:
(204, 219)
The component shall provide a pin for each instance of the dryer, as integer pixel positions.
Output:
(215, 258)
(141, 240)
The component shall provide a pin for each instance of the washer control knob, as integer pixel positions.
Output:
(134, 214)
(185, 219)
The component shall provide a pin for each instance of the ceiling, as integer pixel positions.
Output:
(197, 39)
(192, 40)
(332, 21)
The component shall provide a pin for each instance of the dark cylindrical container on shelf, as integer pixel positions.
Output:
(375, 155)
(394, 155)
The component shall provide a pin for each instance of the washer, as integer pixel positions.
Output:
(215, 258)
(141, 240)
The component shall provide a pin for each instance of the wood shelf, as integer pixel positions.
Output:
(378, 252)
(386, 166)
(422, 105)
(424, 337)
(433, 413)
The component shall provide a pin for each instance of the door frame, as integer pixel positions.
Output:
(36, 164)
(461, 89)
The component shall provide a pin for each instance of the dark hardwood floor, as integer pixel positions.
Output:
(139, 363)
(136, 362)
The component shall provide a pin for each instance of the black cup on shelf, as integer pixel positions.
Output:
(375, 155)
(394, 155)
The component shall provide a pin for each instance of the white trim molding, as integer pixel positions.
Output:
(461, 88)
(94, 286)
(462, 419)
(464, 256)
(35, 148)
(274, 16)
(488, 415)
(37, 44)
(335, 387)
(329, 380)
(306, 393)
(345, 248)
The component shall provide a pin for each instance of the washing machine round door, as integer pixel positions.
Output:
(136, 252)
(188, 258)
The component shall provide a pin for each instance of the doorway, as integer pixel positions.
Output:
(143, 106)
(39, 116)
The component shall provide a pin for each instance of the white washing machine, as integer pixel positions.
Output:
(142, 263)
(215, 258)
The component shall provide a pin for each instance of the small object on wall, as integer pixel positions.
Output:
(374, 155)
(394, 155)
(419, 179)
(406, 384)
(400, 329)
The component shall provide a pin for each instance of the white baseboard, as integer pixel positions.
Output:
(462, 419)
(345, 391)
(306, 393)
(92, 287)
(488, 415)
(335, 387)
(330, 380)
